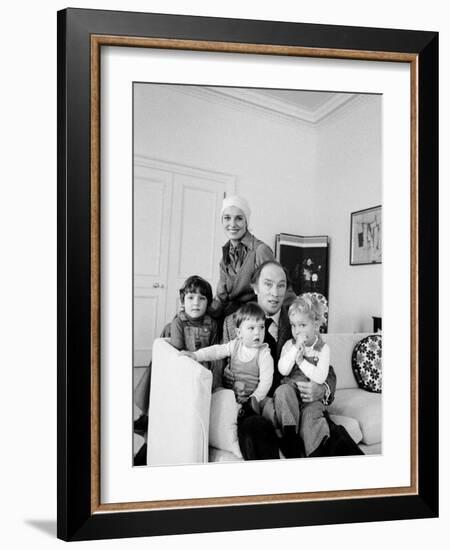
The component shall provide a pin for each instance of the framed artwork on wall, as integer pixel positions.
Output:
(366, 236)
(101, 57)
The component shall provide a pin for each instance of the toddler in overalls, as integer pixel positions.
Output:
(250, 358)
(303, 358)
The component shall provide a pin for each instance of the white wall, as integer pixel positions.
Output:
(349, 179)
(273, 159)
(28, 228)
(297, 178)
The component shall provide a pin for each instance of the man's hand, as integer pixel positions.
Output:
(239, 391)
(241, 397)
(311, 391)
(250, 407)
(228, 378)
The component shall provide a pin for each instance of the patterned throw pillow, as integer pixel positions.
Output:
(366, 363)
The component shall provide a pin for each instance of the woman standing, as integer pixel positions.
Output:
(241, 255)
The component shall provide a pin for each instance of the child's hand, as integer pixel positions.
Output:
(188, 354)
(300, 342)
(299, 356)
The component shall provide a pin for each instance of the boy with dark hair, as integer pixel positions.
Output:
(192, 328)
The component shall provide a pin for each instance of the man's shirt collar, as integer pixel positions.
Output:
(275, 317)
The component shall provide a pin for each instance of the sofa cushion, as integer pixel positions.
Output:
(217, 455)
(365, 407)
(341, 349)
(367, 364)
(223, 422)
(371, 449)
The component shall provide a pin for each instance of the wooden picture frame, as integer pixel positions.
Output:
(81, 36)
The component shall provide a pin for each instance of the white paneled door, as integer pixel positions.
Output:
(177, 233)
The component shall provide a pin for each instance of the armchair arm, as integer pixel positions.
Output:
(179, 407)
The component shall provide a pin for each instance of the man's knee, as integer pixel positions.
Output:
(311, 413)
(284, 394)
(313, 410)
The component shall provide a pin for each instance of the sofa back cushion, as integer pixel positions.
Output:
(341, 350)
(180, 400)
(363, 406)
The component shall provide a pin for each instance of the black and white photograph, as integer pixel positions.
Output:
(253, 337)
(156, 155)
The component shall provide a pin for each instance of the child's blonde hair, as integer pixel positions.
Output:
(309, 305)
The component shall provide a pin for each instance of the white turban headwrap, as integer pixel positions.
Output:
(238, 202)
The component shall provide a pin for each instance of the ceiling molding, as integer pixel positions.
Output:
(238, 103)
(254, 99)
(344, 108)
(144, 161)
(250, 99)
(333, 104)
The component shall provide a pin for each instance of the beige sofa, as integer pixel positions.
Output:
(180, 407)
(350, 401)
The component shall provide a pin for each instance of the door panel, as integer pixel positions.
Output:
(148, 224)
(198, 217)
(196, 233)
(177, 233)
(152, 204)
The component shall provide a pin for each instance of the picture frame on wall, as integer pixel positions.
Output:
(366, 236)
(101, 57)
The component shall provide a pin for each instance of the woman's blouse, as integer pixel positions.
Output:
(236, 268)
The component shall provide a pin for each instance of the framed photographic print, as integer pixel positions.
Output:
(366, 236)
(185, 145)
